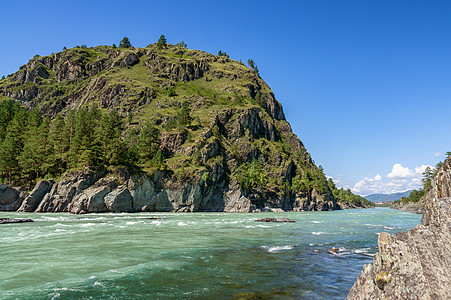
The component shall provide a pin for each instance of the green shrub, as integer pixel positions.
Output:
(171, 92)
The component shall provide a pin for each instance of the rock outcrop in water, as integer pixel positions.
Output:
(9, 220)
(274, 220)
(416, 264)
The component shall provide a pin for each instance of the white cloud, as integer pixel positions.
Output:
(368, 186)
(339, 181)
(400, 179)
(437, 154)
(398, 171)
(421, 169)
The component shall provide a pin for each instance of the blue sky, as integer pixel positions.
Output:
(365, 84)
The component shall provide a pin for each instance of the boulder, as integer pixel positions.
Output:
(131, 59)
(32, 202)
(9, 198)
(119, 200)
(91, 199)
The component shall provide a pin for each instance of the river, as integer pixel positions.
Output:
(190, 255)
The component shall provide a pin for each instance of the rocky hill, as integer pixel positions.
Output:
(197, 132)
(416, 264)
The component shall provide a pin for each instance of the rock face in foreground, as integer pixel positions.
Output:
(416, 264)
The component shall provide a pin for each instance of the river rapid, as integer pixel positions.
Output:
(190, 255)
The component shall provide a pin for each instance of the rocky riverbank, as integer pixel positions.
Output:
(121, 191)
(415, 207)
(416, 264)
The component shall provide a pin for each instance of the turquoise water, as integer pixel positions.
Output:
(190, 256)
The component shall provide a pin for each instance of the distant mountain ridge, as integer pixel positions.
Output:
(387, 197)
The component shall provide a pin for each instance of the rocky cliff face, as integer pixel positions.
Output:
(97, 192)
(416, 264)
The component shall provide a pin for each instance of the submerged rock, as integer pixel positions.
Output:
(282, 220)
(9, 220)
(334, 250)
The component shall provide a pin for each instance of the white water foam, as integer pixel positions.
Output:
(274, 249)
(277, 248)
(317, 232)
(60, 225)
(156, 223)
(372, 225)
(182, 224)
(316, 222)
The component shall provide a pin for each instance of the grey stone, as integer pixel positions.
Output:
(9, 198)
(32, 202)
(119, 200)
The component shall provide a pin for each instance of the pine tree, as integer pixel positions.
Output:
(161, 42)
(8, 157)
(29, 159)
(69, 133)
(6, 115)
(13, 142)
(182, 44)
(125, 43)
(158, 160)
(148, 143)
(109, 139)
(252, 64)
(82, 148)
(184, 114)
(59, 142)
(46, 152)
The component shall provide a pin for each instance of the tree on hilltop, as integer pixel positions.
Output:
(221, 53)
(161, 42)
(125, 43)
(252, 64)
(182, 44)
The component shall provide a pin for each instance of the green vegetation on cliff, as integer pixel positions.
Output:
(193, 115)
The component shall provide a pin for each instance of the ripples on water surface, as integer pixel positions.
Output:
(192, 255)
